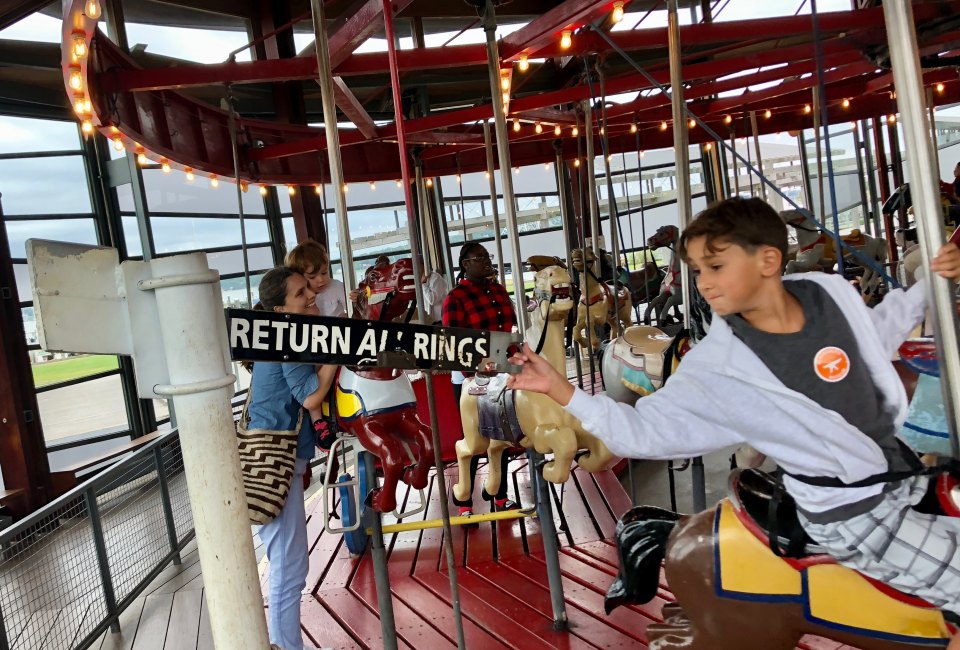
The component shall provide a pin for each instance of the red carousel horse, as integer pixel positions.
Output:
(378, 405)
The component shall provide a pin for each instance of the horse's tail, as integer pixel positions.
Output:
(642, 535)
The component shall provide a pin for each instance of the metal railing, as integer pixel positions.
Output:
(68, 571)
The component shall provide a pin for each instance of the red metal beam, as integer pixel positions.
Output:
(539, 32)
(353, 109)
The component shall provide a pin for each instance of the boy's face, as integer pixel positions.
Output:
(318, 277)
(729, 277)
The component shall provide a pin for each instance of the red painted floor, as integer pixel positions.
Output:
(504, 595)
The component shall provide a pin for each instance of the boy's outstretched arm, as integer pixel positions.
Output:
(681, 419)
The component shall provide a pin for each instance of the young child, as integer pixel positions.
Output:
(312, 260)
(799, 368)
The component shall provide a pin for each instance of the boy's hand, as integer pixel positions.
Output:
(947, 262)
(538, 376)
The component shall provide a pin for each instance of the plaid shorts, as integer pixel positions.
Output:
(916, 553)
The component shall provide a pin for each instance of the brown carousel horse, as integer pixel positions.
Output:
(670, 296)
(378, 405)
(596, 297)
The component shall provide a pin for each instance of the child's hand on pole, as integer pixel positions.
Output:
(947, 262)
(538, 376)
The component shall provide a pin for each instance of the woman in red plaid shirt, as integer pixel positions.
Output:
(479, 302)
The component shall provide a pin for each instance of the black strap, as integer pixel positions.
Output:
(796, 542)
(546, 323)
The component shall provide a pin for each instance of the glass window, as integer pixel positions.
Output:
(173, 193)
(289, 232)
(83, 408)
(55, 185)
(173, 234)
(231, 262)
(199, 45)
(131, 236)
(35, 27)
(29, 325)
(23, 135)
(80, 231)
(58, 367)
(234, 291)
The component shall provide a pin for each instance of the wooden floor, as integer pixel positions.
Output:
(504, 595)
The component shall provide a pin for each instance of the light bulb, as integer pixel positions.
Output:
(617, 14)
(708, 146)
(317, 189)
(728, 119)
(87, 127)
(429, 182)
(940, 88)
(118, 143)
(663, 125)
(576, 162)
(566, 39)
(524, 64)
(845, 103)
(92, 9)
(263, 190)
(574, 131)
(505, 83)
(892, 119)
(373, 186)
(807, 109)
(457, 177)
(244, 187)
(80, 105)
(487, 174)
(643, 153)
(399, 183)
(76, 78)
(633, 128)
(346, 188)
(79, 40)
(506, 100)
(516, 170)
(546, 165)
(538, 127)
(142, 159)
(768, 114)
(516, 124)
(609, 157)
(692, 123)
(557, 130)
(164, 165)
(214, 181)
(189, 173)
(291, 190)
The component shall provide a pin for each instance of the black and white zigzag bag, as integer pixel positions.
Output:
(267, 458)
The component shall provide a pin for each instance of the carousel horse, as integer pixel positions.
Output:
(644, 283)
(495, 418)
(733, 591)
(670, 296)
(378, 405)
(596, 297)
(816, 250)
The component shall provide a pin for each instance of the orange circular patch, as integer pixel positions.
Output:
(831, 364)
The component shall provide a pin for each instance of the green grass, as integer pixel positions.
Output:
(54, 372)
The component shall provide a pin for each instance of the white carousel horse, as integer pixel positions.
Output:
(597, 299)
(545, 425)
(670, 296)
(816, 250)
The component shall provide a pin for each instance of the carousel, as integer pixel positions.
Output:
(580, 563)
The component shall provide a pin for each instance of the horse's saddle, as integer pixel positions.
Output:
(835, 594)
(496, 410)
(540, 262)
(642, 351)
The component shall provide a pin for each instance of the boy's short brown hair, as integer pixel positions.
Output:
(308, 257)
(748, 223)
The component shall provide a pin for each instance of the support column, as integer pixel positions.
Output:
(491, 170)
(596, 231)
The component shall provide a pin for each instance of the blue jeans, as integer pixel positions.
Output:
(285, 539)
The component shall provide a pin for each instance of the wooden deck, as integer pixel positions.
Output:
(505, 599)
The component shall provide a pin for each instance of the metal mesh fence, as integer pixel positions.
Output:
(68, 570)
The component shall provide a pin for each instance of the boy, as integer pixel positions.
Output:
(783, 370)
(310, 259)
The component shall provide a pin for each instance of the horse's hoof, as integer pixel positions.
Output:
(381, 501)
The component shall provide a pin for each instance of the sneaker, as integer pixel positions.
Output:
(506, 504)
(467, 511)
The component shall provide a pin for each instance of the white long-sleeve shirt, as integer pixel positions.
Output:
(435, 291)
(722, 394)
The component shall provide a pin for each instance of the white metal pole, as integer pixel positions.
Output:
(756, 148)
(595, 228)
(325, 76)
(491, 170)
(908, 80)
(193, 333)
(680, 147)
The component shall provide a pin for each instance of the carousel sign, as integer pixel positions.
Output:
(266, 336)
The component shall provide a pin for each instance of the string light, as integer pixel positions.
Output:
(399, 183)
(633, 127)
(244, 187)
(87, 127)
(214, 181)
(118, 143)
(79, 39)
(506, 100)
(429, 182)
(617, 14)
(487, 174)
(663, 125)
(574, 131)
(373, 186)
(524, 63)
(538, 127)
(566, 39)
(317, 189)
(807, 109)
(768, 114)
(692, 123)
(81, 105)
(708, 146)
(346, 188)
(165, 166)
(458, 178)
(728, 119)
(940, 88)
(291, 190)
(609, 157)
(546, 165)
(643, 153)
(263, 190)
(576, 162)
(505, 83)
(516, 124)
(76, 78)
(892, 119)
(189, 172)
(92, 9)
(557, 130)
(845, 103)
(142, 159)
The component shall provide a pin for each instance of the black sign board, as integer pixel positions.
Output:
(269, 336)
